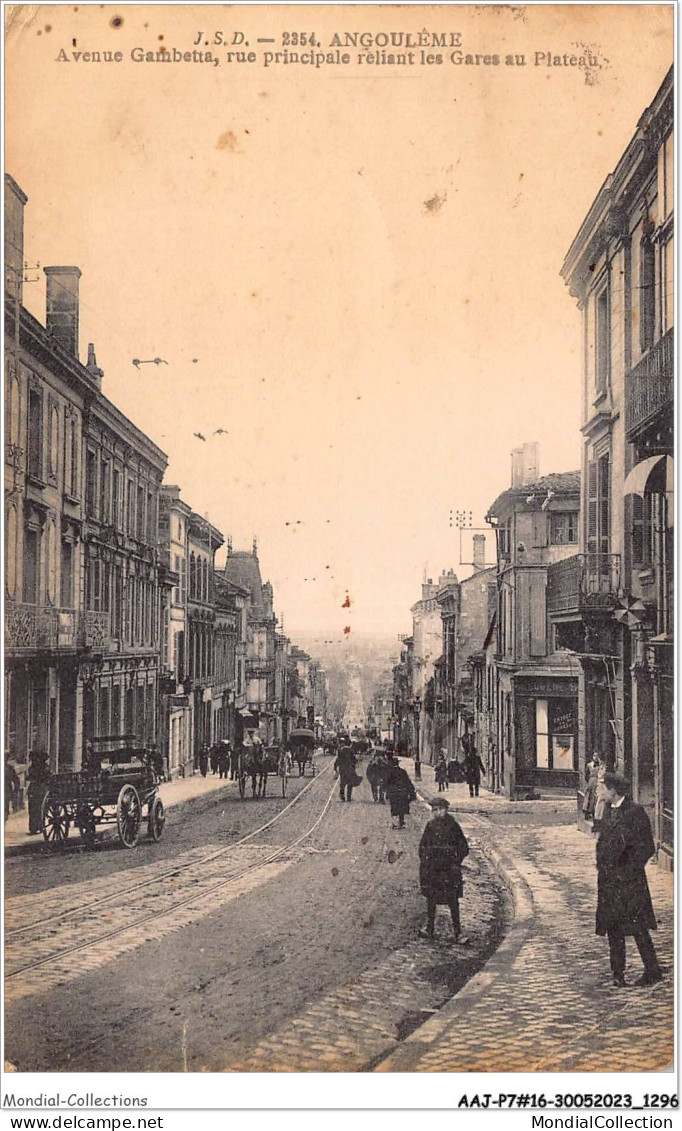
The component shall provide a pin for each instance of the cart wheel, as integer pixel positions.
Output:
(128, 816)
(156, 819)
(86, 826)
(55, 819)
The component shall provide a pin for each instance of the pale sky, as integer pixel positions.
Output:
(373, 359)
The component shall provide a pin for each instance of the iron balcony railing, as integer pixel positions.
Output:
(583, 582)
(649, 386)
(31, 628)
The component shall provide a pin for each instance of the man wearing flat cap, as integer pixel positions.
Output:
(441, 851)
(623, 900)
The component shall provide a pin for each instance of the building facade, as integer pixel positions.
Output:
(536, 707)
(203, 539)
(612, 604)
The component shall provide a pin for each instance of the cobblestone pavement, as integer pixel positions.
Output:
(545, 1001)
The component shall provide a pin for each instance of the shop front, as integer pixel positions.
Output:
(546, 714)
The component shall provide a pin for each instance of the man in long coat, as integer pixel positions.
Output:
(623, 900)
(344, 764)
(473, 767)
(399, 791)
(441, 851)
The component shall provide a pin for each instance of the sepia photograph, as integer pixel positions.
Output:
(339, 717)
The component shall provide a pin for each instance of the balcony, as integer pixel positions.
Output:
(649, 386)
(34, 628)
(582, 584)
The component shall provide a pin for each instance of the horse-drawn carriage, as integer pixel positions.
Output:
(302, 744)
(116, 786)
(257, 762)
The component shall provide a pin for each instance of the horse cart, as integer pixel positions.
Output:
(302, 744)
(121, 792)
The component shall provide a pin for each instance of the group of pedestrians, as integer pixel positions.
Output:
(387, 778)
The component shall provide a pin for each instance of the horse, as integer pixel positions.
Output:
(256, 767)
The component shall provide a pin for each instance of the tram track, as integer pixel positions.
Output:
(173, 870)
(206, 898)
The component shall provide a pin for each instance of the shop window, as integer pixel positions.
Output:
(555, 726)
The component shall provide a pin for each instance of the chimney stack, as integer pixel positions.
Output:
(15, 201)
(62, 306)
(525, 464)
(479, 551)
(92, 367)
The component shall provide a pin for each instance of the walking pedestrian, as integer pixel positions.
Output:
(37, 777)
(224, 758)
(399, 791)
(442, 849)
(234, 763)
(441, 772)
(623, 899)
(417, 766)
(344, 769)
(473, 768)
(376, 773)
(203, 761)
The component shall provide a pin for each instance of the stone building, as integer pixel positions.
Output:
(612, 603)
(242, 568)
(83, 580)
(176, 710)
(536, 710)
(203, 539)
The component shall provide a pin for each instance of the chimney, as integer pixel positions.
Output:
(15, 200)
(525, 464)
(517, 467)
(92, 367)
(62, 306)
(531, 463)
(479, 551)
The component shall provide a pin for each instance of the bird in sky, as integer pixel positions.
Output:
(194, 360)
(199, 436)
(221, 432)
(149, 361)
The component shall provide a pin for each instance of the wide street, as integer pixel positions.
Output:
(266, 935)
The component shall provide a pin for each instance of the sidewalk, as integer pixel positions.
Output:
(544, 1002)
(174, 794)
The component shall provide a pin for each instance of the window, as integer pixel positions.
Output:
(53, 443)
(647, 293)
(538, 618)
(14, 411)
(32, 564)
(151, 525)
(71, 455)
(130, 507)
(641, 529)
(90, 482)
(598, 506)
(11, 552)
(35, 434)
(666, 186)
(667, 286)
(140, 513)
(51, 562)
(555, 729)
(66, 580)
(116, 500)
(104, 489)
(602, 360)
(563, 528)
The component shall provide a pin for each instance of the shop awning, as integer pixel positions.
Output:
(636, 481)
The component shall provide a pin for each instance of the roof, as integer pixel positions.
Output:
(242, 569)
(535, 494)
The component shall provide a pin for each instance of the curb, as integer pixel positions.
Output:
(408, 1054)
(36, 845)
